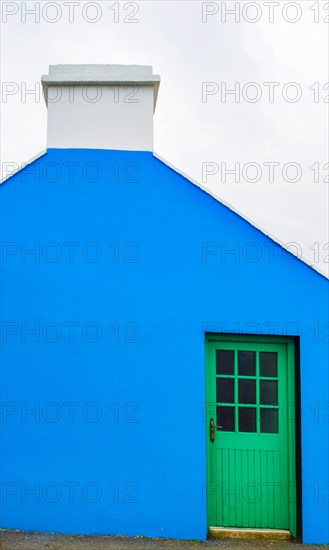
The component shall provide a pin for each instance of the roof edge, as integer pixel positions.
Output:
(317, 270)
(23, 165)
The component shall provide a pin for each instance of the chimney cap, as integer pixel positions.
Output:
(106, 75)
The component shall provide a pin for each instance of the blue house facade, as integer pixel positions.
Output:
(164, 362)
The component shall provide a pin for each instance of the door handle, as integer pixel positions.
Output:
(212, 428)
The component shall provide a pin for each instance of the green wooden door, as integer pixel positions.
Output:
(250, 431)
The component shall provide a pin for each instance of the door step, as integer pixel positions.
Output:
(242, 533)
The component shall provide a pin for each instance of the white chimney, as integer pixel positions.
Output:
(100, 106)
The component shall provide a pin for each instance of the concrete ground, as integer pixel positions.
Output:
(21, 540)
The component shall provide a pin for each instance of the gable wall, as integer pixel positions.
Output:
(158, 291)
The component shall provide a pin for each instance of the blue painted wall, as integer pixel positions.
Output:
(115, 367)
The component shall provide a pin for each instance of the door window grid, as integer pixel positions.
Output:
(264, 422)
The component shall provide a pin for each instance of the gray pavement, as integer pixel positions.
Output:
(21, 540)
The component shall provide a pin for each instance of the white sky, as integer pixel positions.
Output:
(186, 52)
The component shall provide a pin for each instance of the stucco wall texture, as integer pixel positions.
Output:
(114, 267)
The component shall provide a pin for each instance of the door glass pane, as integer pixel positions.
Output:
(268, 363)
(224, 361)
(246, 363)
(225, 390)
(247, 391)
(247, 419)
(269, 421)
(268, 392)
(225, 418)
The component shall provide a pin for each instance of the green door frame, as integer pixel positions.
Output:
(289, 342)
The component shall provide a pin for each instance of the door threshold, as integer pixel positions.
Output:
(249, 533)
